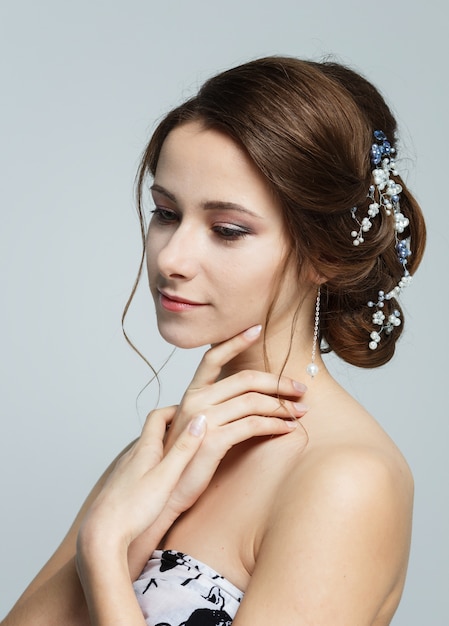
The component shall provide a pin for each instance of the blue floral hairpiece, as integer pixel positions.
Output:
(384, 195)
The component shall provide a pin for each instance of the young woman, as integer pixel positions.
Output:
(280, 222)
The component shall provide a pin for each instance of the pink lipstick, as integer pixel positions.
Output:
(176, 304)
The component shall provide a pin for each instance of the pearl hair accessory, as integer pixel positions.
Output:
(387, 325)
(384, 195)
(385, 192)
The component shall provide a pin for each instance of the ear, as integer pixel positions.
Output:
(312, 275)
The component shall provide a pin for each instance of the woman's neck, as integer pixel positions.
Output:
(278, 351)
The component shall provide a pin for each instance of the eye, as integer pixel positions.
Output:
(163, 215)
(231, 232)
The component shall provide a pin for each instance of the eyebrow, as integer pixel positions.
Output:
(209, 205)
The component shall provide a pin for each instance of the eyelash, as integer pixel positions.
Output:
(164, 216)
(226, 233)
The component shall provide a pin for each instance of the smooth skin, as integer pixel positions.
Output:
(307, 509)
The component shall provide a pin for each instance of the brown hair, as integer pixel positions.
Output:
(308, 127)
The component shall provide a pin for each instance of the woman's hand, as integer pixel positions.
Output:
(132, 498)
(144, 477)
(171, 464)
(247, 404)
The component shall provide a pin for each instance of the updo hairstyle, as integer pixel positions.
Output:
(308, 127)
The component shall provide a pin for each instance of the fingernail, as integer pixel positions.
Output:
(299, 386)
(300, 407)
(291, 424)
(197, 426)
(253, 332)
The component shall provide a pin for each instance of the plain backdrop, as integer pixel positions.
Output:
(81, 86)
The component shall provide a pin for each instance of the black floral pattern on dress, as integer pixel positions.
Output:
(170, 559)
(208, 600)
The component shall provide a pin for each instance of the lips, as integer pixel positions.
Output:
(176, 303)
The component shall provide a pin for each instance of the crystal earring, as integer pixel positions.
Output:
(312, 368)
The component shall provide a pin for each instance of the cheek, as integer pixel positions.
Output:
(273, 283)
(255, 280)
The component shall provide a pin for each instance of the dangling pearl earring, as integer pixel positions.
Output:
(312, 368)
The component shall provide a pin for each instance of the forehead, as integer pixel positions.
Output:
(206, 164)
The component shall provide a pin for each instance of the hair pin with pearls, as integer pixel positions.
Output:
(388, 324)
(384, 195)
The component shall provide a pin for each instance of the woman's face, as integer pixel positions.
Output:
(216, 242)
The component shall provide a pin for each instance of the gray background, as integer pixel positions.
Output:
(81, 86)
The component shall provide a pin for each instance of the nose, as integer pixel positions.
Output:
(180, 256)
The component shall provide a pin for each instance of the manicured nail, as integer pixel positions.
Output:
(299, 386)
(300, 407)
(253, 332)
(291, 424)
(197, 426)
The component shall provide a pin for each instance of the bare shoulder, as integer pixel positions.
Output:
(349, 478)
(339, 528)
(358, 465)
(350, 464)
(347, 446)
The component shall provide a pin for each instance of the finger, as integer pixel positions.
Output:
(156, 424)
(253, 403)
(217, 356)
(183, 450)
(253, 380)
(256, 426)
(242, 430)
(147, 451)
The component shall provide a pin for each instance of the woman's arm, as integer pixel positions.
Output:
(161, 477)
(55, 595)
(58, 600)
(336, 546)
(131, 500)
(148, 487)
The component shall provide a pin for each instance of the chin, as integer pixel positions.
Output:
(189, 340)
(185, 344)
(184, 340)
